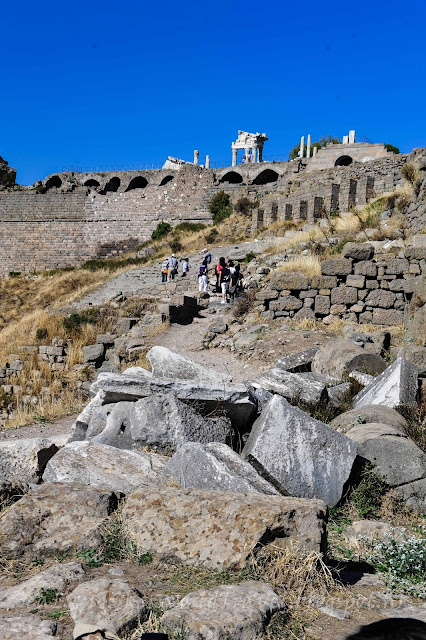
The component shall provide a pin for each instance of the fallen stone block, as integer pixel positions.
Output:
(299, 455)
(31, 627)
(413, 495)
(114, 604)
(395, 387)
(27, 592)
(368, 414)
(219, 530)
(415, 355)
(94, 353)
(162, 423)
(227, 612)
(22, 462)
(215, 466)
(339, 395)
(297, 362)
(80, 426)
(339, 357)
(168, 365)
(358, 250)
(398, 459)
(292, 386)
(56, 518)
(363, 378)
(100, 465)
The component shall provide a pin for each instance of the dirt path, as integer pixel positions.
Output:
(39, 429)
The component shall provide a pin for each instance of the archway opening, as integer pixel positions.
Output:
(54, 181)
(137, 183)
(265, 177)
(343, 161)
(91, 183)
(166, 180)
(232, 177)
(113, 184)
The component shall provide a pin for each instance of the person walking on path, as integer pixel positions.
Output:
(224, 277)
(164, 270)
(185, 267)
(173, 267)
(203, 280)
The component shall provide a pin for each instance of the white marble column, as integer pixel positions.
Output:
(254, 154)
(314, 151)
(308, 148)
(207, 162)
(196, 157)
(302, 147)
(352, 137)
(345, 140)
(234, 157)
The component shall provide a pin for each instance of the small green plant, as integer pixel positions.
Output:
(145, 558)
(189, 227)
(14, 274)
(249, 257)
(75, 321)
(403, 562)
(92, 558)
(161, 230)
(40, 417)
(47, 596)
(41, 333)
(56, 614)
(367, 496)
(220, 207)
(391, 148)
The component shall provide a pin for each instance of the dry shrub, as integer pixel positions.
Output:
(244, 303)
(410, 173)
(306, 324)
(310, 265)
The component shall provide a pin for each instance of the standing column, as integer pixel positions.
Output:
(302, 147)
(207, 162)
(314, 151)
(247, 153)
(234, 157)
(352, 137)
(254, 152)
(261, 153)
(196, 157)
(308, 148)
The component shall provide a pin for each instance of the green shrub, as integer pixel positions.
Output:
(391, 148)
(47, 596)
(41, 333)
(220, 207)
(5, 399)
(162, 229)
(249, 257)
(244, 206)
(74, 321)
(367, 496)
(14, 274)
(189, 227)
(211, 236)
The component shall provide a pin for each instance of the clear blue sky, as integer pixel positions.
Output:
(123, 83)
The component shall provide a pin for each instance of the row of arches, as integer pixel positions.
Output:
(113, 184)
(264, 177)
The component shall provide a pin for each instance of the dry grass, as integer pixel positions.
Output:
(310, 265)
(335, 328)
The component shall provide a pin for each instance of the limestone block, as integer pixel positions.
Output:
(407, 285)
(56, 518)
(285, 303)
(27, 592)
(387, 317)
(215, 466)
(298, 361)
(322, 305)
(160, 422)
(219, 530)
(22, 462)
(397, 266)
(355, 281)
(292, 280)
(337, 309)
(336, 267)
(340, 356)
(227, 612)
(31, 627)
(302, 314)
(415, 355)
(374, 413)
(358, 250)
(344, 295)
(414, 495)
(112, 604)
(301, 456)
(292, 386)
(365, 268)
(309, 293)
(266, 294)
(371, 284)
(106, 339)
(94, 353)
(323, 282)
(51, 350)
(100, 465)
(397, 459)
(395, 387)
(380, 298)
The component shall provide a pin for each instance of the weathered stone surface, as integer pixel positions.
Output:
(397, 459)
(344, 295)
(417, 313)
(301, 456)
(365, 268)
(80, 426)
(358, 250)
(292, 386)
(414, 495)
(339, 394)
(380, 298)
(355, 281)
(322, 305)
(215, 466)
(368, 414)
(227, 612)
(99, 465)
(415, 355)
(336, 267)
(23, 461)
(323, 282)
(94, 353)
(396, 266)
(298, 361)
(234, 397)
(416, 612)
(286, 303)
(27, 592)
(31, 627)
(168, 365)
(395, 387)
(292, 280)
(387, 317)
(54, 518)
(265, 294)
(372, 530)
(363, 378)
(112, 603)
(340, 356)
(169, 521)
(162, 423)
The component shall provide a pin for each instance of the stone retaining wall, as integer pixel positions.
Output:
(359, 287)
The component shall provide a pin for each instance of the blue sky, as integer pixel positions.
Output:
(116, 84)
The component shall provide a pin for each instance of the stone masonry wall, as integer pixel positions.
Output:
(359, 287)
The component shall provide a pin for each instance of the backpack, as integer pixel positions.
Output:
(225, 275)
(203, 270)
